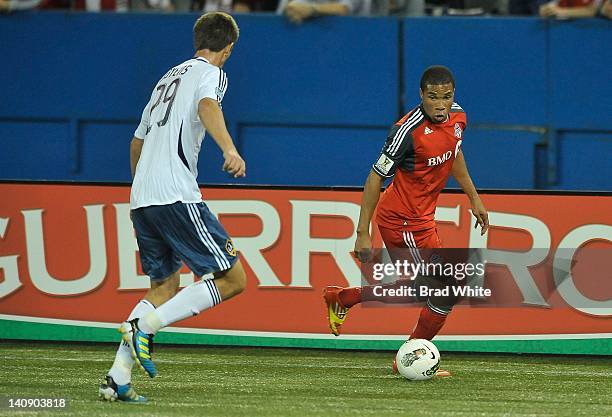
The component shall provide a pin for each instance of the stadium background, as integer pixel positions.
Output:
(536, 93)
(307, 105)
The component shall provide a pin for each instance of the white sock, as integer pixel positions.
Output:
(121, 371)
(190, 301)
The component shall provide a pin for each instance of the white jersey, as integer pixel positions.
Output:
(167, 170)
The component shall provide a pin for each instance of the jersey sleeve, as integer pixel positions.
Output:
(143, 127)
(463, 120)
(394, 151)
(213, 85)
(460, 123)
(459, 115)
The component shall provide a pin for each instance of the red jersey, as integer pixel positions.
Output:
(420, 153)
(577, 3)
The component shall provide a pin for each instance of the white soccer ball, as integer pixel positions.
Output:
(418, 359)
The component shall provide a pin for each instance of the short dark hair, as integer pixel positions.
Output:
(436, 75)
(214, 31)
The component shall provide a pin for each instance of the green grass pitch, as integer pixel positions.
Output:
(229, 381)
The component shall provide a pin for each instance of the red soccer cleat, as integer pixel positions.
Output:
(336, 312)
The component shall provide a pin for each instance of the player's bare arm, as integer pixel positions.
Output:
(460, 173)
(214, 122)
(298, 11)
(135, 150)
(369, 200)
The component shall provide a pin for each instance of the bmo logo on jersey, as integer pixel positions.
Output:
(439, 159)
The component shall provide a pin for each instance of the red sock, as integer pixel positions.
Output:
(350, 296)
(355, 295)
(429, 324)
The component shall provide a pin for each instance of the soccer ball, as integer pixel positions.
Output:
(418, 359)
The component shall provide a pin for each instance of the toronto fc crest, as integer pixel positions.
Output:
(458, 131)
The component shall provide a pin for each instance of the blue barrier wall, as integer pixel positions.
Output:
(311, 104)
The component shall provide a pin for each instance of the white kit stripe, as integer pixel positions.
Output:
(213, 291)
(397, 139)
(415, 256)
(409, 125)
(203, 238)
(215, 246)
(412, 243)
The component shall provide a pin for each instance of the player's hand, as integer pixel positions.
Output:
(363, 247)
(234, 164)
(549, 10)
(482, 217)
(297, 11)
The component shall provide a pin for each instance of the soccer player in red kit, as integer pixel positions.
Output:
(421, 151)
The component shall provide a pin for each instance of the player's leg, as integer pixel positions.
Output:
(117, 383)
(435, 311)
(196, 298)
(164, 289)
(202, 243)
(231, 282)
(121, 370)
(138, 340)
(432, 316)
(161, 265)
(206, 248)
(340, 299)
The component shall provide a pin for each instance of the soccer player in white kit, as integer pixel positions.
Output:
(172, 223)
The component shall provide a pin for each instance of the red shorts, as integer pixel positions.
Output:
(420, 244)
(401, 238)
